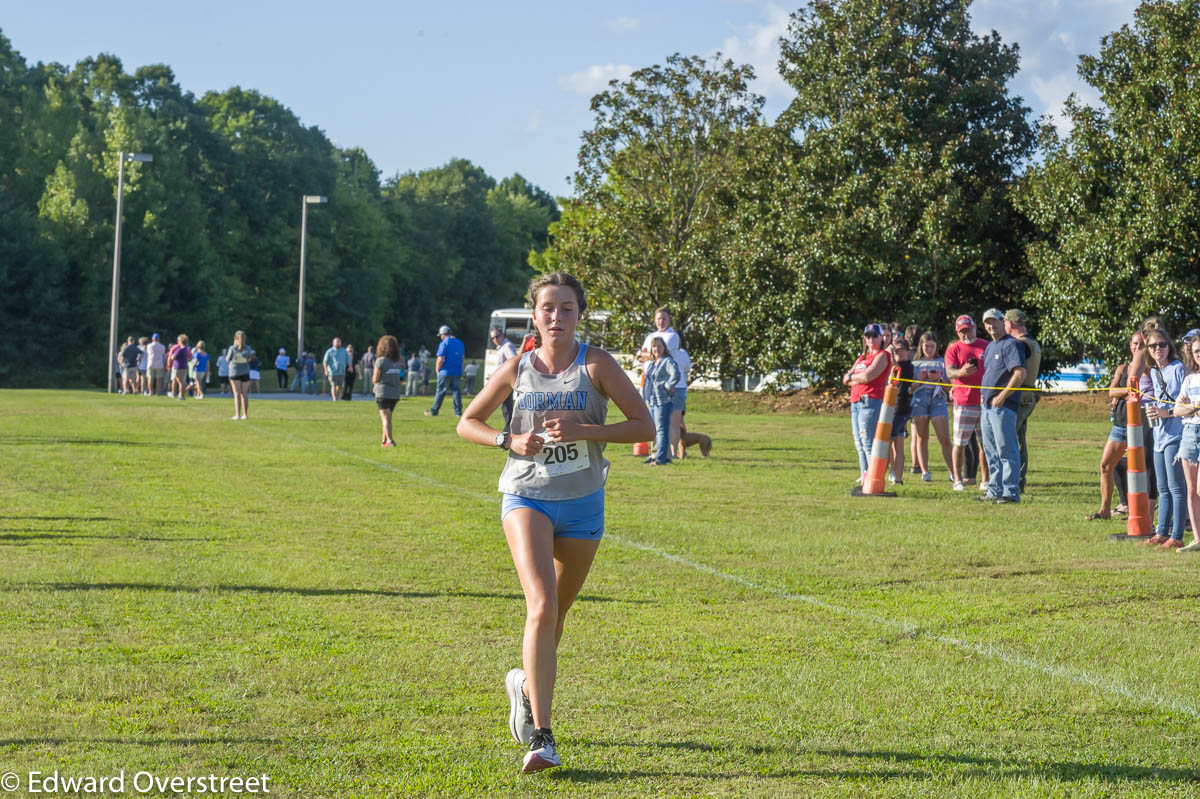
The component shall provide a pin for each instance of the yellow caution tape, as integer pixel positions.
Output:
(1135, 392)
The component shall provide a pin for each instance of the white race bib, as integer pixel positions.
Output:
(557, 459)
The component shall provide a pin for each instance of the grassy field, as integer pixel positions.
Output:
(185, 595)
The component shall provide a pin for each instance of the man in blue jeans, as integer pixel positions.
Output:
(449, 372)
(1003, 371)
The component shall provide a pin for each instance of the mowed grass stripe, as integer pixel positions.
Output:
(347, 627)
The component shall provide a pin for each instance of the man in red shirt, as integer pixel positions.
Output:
(963, 367)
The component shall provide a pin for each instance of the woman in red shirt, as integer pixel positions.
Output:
(867, 379)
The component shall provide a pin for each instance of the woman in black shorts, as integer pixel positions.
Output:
(388, 378)
(239, 356)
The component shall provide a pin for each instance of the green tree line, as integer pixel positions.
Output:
(211, 231)
(904, 182)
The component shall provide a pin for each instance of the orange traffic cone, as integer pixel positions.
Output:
(1138, 495)
(880, 448)
(641, 449)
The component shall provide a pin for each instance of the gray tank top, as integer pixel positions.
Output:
(559, 471)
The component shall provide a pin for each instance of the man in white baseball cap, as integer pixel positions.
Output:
(449, 371)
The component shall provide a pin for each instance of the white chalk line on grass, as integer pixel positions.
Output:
(1077, 676)
(1072, 675)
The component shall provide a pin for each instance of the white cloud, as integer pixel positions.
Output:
(758, 46)
(623, 24)
(1051, 93)
(1052, 35)
(594, 79)
(534, 123)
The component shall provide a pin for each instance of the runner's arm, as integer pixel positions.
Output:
(473, 426)
(611, 380)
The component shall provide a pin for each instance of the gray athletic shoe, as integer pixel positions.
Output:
(520, 716)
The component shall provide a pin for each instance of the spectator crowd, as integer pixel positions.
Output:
(992, 393)
(146, 366)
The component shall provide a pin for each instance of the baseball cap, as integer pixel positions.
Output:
(1191, 334)
(964, 321)
(444, 330)
(1015, 315)
(155, 337)
(873, 330)
(992, 313)
(282, 351)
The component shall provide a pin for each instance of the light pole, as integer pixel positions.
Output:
(309, 199)
(116, 281)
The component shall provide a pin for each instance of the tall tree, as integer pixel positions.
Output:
(897, 196)
(1116, 202)
(641, 229)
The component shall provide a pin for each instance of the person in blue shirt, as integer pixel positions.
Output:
(1003, 371)
(334, 363)
(662, 378)
(310, 373)
(1167, 375)
(449, 372)
(282, 362)
(200, 359)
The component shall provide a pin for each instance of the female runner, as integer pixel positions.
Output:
(553, 484)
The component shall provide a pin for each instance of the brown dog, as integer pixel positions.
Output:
(692, 439)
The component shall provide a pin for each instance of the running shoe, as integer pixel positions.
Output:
(915, 470)
(520, 715)
(542, 752)
(958, 486)
(926, 477)
(1192, 547)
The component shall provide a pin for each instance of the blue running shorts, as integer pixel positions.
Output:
(572, 518)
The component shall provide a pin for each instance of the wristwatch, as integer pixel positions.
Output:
(502, 440)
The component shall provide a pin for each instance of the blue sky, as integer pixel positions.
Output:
(505, 85)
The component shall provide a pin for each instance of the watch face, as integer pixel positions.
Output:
(500, 439)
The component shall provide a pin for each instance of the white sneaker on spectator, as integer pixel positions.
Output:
(958, 486)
